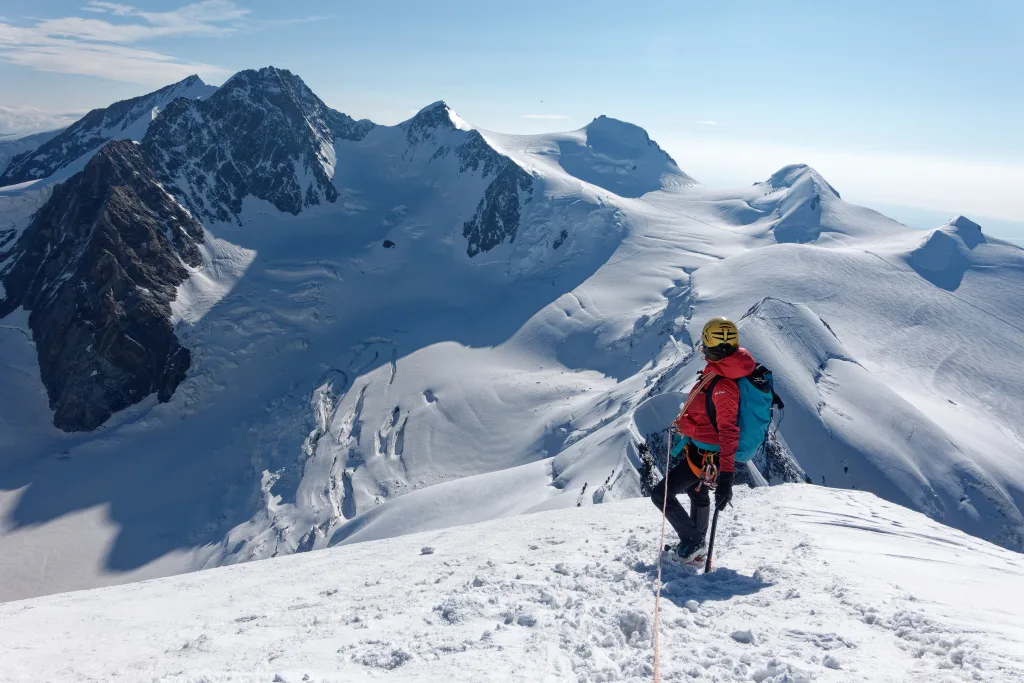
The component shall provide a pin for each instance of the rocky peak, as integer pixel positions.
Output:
(281, 89)
(97, 268)
(263, 133)
(127, 119)
(436, 132)
(424, 126)
(271, 87)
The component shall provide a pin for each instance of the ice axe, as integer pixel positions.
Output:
(711, 540)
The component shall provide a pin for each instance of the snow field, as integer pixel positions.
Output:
(811, 584)
(341, 391)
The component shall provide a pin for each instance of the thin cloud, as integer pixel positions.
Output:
(549, 117)
(210, 17)
(112, 7)
(708, 123)
(97, 47)
(20, 120)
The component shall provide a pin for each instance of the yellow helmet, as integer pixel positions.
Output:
(718, 331)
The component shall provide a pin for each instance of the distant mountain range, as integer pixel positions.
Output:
(236, 323)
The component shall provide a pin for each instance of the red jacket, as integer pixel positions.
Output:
(695, 422)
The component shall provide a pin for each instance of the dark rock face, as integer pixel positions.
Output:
(498, 213)
(263, 133)
(560, 240)
(424, 126)
(94, 129)
(97, 268)
(476, 154)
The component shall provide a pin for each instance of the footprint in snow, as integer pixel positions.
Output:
(744, 636)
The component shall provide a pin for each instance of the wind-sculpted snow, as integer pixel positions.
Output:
(614, 155)
(795, 205)
(125, 120)
(884, 397)
(810, 585)
(944, 255)
(852, 429)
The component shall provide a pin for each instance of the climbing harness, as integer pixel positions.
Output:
(707, 473)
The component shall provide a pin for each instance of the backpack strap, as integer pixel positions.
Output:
(760, 373)
(709, 403)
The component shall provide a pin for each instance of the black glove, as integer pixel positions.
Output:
(723, 493)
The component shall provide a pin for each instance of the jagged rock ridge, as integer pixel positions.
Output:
(97, 268)
(126, 119)
(498, 214)
(263, 133)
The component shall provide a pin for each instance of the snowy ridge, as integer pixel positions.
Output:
(613, 155)
(811, 584)
(13, 145)
(125, 120)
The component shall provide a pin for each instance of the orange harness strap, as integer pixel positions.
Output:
(697, 472)
(707, 472)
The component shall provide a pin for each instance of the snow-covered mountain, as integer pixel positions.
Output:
(125, 120)
(98, 267)
(394, 329)
(263, 134)
(13, 145)
(811, 585)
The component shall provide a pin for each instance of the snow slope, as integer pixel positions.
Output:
(614, 155)
(810, 584)
(343, 390)
(11, 145)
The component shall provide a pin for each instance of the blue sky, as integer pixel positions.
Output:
(908, 104)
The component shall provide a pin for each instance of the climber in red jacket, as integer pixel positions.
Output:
(704, 445)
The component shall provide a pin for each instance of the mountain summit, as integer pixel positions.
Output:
(262, 134)
(619, 157)
(125, 120)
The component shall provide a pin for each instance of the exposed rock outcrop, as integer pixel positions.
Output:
(97, 268)
(124, 120)
(263, 133)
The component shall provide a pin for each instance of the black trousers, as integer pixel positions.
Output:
(681, 479)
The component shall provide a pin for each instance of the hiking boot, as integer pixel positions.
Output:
(689, 552)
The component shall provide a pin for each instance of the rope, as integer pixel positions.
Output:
(661, 545)
(664, 507)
